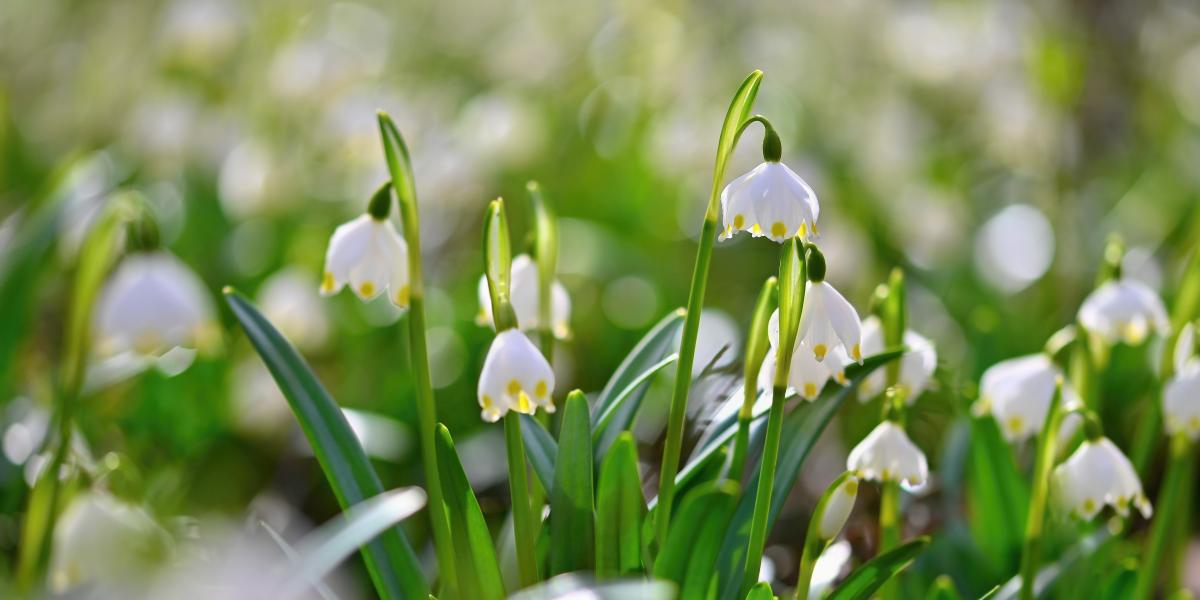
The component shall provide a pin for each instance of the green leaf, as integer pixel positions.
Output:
(576, 586)
(739, 111)
(620, 510)
(801, 429)
(621, 397)
(998, 496)
(572, 518)
(390, 559)
(868, 578)
(761, 591)
(21, 264)
(540, 449)
(1048, 574)
(477, 569)
(689, 553)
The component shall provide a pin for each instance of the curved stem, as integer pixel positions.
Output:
(518, 482)
(766, 487)
(1043, 465)
(808, 563)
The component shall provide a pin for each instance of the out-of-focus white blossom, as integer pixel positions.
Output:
(916, 366)
(1181, 397)
(290, 301)
(151, 304)
(1018, 391)
(1098, 473)
(1124, 310)
(523, 295)
(515, 377)
(369, 255)
(99, 539)
(886, 454)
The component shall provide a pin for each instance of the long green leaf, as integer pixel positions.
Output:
(868, 578)
(476, 566)
(390, 559)
(761, 591)
(618, 402)
(801, 429)
(620, 510)
(572, 517)
(540, 449)
(687, 557)
(998, 496)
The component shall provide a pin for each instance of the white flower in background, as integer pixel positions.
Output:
(369, 255)
(837, 509)
(515, 377)
(916, 366)
(151, 304)
(100, 539)
(523, 295)
(806, 376)
(886, 454)
(829, 321)
(1098, 473)
(1185, 349)
(1018, 391)
(1123, 310)
(290, 301)
(769, 201)
(1181, 398)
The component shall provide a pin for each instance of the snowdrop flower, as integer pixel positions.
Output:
(916, 366)
(1123, 310)
(153, 303)
(515, 377)
(828, 320)
(807, 376)
(101, 539)
(369, 254)
(1181, 398)
(771, 200)
(837, 508)
(886, 454)
(523, 294)
(1018, 391)
(1098, 473)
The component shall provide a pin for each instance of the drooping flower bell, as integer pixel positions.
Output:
(828, 319)
(102, 541)
(1181, 397)
(886, 454)
(771, 200)
(916, 366)
(1018, 391)
(1125, 310)
(368, 254)
(515, 377)
(807, 376)
(152, 302)
(523, 294)
(1098, 473)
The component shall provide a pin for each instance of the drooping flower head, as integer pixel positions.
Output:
(828, 320)
(916, 366)
(1018, 391)
(1181, 397)
(1125, 310)
(515, 377)
(1098, 473)
(807, 376)
(771, 200)
(152, 303)
(523, 294)
(368, 254)
(886, 454)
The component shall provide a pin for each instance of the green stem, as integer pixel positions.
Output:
(1043, 466)
(889, 516)
(1161, 533)
(518, 482)
(740, 445)
(808, 563)
(766, 487)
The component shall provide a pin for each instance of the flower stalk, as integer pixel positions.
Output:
(400, 168)
(739, 110)
(828, 519)
(756, 350)
(1039, 497)
(1180, 471)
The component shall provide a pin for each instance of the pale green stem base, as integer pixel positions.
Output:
(1161, 538)
(518, 482)
(766, 487)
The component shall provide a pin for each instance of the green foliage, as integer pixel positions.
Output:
(869, 577)
(691, 549)
(998, 498)
(475, 559)
(620, 511)
(572, 513)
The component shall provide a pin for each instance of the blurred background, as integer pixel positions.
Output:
(988, 147)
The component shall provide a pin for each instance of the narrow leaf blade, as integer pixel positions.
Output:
(572, 517)
(540, 449)
(689, 553)
(477, 569)
(620, 511)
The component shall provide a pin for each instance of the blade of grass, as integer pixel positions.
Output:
(540, 449)
(572, 517)
(688, 556)
(620, 510)
(476, 566)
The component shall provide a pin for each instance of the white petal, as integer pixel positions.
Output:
(807, 375)
(737, 206)
(515, 376)
(1185, 346)
(152, 303)
(917, 365)
(837, 509)
(844, 320)
(1181, 403)
(886, 454)
(346, 248)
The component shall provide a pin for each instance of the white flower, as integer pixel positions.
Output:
(1185, 349)
(1098, 473)
(101, 539)
(1181, 402)
(837, 509)
(916, 366)
(515, 377)
(523, 295)
(151, 304)
(771, 201)
(1124, 310)
(886, 454)
(1017, 392)
(370, 255)
(806, 375)
(828, 321)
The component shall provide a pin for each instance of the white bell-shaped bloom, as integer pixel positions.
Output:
(916, 366)
(99, 539)
(806, 375)
(515, 377)
(523, 295)
(1098, 473)
(1181, 402)
(770, 201)
(1017, 392)
(1123, 310)
(369, 255)
(153, 303)
(837, 508)
(886, 454)
(828, 321)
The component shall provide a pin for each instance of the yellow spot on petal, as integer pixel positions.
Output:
(810, 389)
(523, 404)
(367, 289)
(856, 352)
(148, 342)
(487, 402)
(778, 229)
(402, 296)
(840, 377)
(852, 488)
(886, 475)
(327, 282)
(1089, 505)
(514, 387)
(541, 389)
(739, 221)
(1123, 503)
(819, 351)
(1194, 423)
(755, 229)
(803, 232)
(1015, 424)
